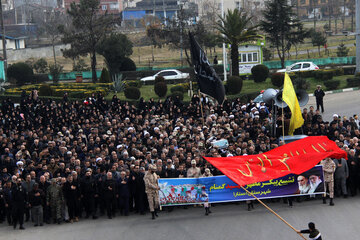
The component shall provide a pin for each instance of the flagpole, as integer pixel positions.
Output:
(201, 108)
(272, 211)
(283, 120)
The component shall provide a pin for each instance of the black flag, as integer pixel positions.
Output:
(208, 80)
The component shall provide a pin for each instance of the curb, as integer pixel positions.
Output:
(338, 91)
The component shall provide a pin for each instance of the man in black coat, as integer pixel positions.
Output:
(72, 196)
(124, 193)
(88, 193)
(8, 201)
(319, 95)
(19, 198)
(36, 200)
(109, 189)
(43, 185)
(137, 183)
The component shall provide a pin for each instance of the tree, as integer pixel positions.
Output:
(175, 33)
(41, 66)
(236, 29)
(88, 28)
(49, 25)
(342, 50)
(115, 48)
(21, 73)
(318, 39)
(281, 26)
(55, 71)
(156, 37)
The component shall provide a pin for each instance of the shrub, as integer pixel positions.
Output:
(128, 65)
(79, 95)
(45, 90)
(177, 94)
(132, 93)
(277, 79)
(159, 79)
(177, 88)
(80, 66)
(304, 74)
(324, 75)
(40, 78)
(353, 82)
(160, 89)
(260, 73)
(21, 73)
(134, 83)
(105, 76)
(332, 84)
(301, 83)
(55, 71)
(234, 85)
(338, 71)
(41, 66)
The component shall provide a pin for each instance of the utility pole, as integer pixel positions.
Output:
(357, 32)
(223, 45)
(3, 41)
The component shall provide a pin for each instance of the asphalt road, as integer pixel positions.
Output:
(229, 221)
(343, 104)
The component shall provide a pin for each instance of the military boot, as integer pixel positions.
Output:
(324, 200)
(153, 215)
(331, 202)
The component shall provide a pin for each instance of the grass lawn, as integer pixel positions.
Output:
(147, 92)
(249, 86)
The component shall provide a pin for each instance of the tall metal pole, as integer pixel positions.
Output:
(224, 49)
(3, 41)
(357, 36)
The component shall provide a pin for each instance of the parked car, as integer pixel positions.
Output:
(171, 75)
(300, 66)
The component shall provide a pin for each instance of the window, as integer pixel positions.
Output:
(237, 5)
(104, 7)
(297, 66)
(302, 2)
(171, 73)
(250, 57)
(114, 6)
(255, 57)
(244, 58)
(306, 65)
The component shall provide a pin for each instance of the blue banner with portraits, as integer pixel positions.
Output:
(182, 191)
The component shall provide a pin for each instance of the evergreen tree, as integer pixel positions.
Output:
(342, 50)
(282, 28)
(318, 39)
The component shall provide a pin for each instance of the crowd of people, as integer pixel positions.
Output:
(67, 160)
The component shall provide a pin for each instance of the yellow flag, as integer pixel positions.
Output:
(289, 96)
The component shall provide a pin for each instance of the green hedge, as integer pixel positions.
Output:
(353, 82)
(332, 84)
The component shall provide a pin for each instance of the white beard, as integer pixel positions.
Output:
(304, 189)
(313, 186)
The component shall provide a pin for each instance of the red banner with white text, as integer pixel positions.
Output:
(295, 157)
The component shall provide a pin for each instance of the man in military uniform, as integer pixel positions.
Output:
(152, 189)
(329, 169)
(54, 199)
